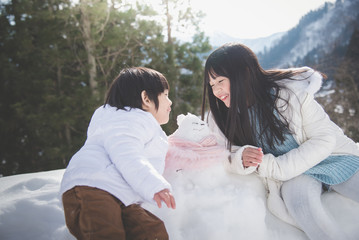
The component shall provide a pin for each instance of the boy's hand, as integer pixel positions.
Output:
(165, 196)
(252, 157)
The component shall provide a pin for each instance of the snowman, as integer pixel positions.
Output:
(210, 202)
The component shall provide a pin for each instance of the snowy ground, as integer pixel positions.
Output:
(211, 205)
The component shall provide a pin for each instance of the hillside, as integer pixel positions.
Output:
(318, 33)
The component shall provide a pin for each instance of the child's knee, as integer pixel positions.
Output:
(72, 210)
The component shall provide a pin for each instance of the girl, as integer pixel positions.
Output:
(121, 163)
(274, 127)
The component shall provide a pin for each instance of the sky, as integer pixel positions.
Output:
(249, 19)
(254, 18)
(211, 205)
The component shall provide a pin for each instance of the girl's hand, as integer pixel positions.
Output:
(252, 157)
(165, 196)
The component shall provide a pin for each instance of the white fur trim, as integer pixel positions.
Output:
(236, 165)
(309, 81)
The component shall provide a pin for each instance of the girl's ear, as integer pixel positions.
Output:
(145, 100)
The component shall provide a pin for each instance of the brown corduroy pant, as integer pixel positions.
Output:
(91, 213)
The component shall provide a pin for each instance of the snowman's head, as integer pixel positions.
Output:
(191, 127)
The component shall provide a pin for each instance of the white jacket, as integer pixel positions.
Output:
(316, 134)
(124, 154)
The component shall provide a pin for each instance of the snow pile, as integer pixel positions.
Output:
(30, 207)
(211, 205)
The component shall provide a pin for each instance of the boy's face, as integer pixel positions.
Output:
(162, 115)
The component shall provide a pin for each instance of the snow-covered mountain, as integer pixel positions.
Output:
(257, 45)
(318, 33)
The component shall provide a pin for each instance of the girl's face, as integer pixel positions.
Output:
(221, 87)
(162, 114)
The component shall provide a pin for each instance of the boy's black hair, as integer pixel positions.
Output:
(126, 88)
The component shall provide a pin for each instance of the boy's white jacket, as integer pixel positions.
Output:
(124, 154)
(316, 134)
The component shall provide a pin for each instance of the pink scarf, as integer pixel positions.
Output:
(184, 154)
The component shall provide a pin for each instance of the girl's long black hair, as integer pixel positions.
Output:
(251, 87)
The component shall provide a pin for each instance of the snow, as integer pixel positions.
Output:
(211, 205)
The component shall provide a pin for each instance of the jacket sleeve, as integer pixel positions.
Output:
(319, 134)
(125, 145)
(236, 164)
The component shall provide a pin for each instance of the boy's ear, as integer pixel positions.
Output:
(145, 100)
